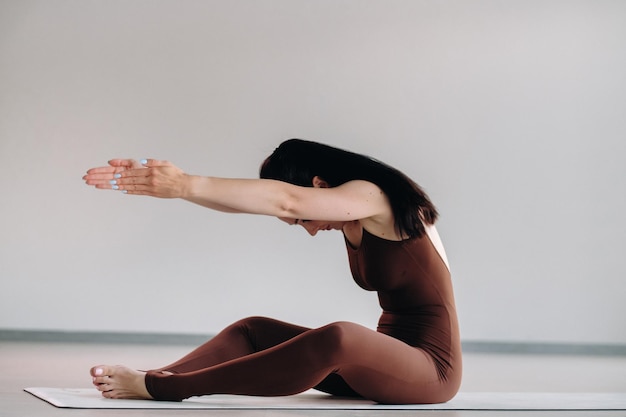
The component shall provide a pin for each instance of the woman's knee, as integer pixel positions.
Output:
(247, 328)
(342, 329)
(252, 322)
(336, 339)
(264, 332)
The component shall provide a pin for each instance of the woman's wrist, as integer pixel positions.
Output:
(190, 186)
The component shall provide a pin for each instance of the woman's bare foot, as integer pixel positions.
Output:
(120, 382)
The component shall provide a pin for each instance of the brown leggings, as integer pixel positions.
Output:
(266, 357)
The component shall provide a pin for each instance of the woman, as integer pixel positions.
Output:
(387, 221)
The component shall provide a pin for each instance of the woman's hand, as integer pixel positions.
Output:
(148, 177)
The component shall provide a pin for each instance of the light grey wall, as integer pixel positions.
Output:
(509, 113)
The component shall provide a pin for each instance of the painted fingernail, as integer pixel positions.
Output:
(116, 187)
(99, 371)
(144, 161)
(112, 182)
(117, 176)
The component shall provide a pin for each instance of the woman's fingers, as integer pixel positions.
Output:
(135, 189)
(99, 176)
(103, 177)
(125, 163)
(101, 170)
(155, 163)
(94, 179)
(133, 173)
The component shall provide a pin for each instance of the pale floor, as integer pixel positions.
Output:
(66, 365)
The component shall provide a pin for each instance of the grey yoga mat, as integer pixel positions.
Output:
(311, 400)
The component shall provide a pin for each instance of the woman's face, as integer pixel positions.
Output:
(314, 226)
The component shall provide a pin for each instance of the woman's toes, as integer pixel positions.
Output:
(96, 371)
(102, 370)
(103, 388)
(108, 394)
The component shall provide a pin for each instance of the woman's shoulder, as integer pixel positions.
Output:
(361, 186)
(382, 224)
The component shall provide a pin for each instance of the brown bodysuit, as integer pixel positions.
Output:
(413, 357)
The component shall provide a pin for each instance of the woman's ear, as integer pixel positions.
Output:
(319, 183)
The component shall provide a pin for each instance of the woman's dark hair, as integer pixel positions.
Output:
(298, 161)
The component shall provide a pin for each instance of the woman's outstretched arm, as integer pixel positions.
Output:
(351, 201)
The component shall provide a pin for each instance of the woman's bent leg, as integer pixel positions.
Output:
(241, 338)
(375, 365)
